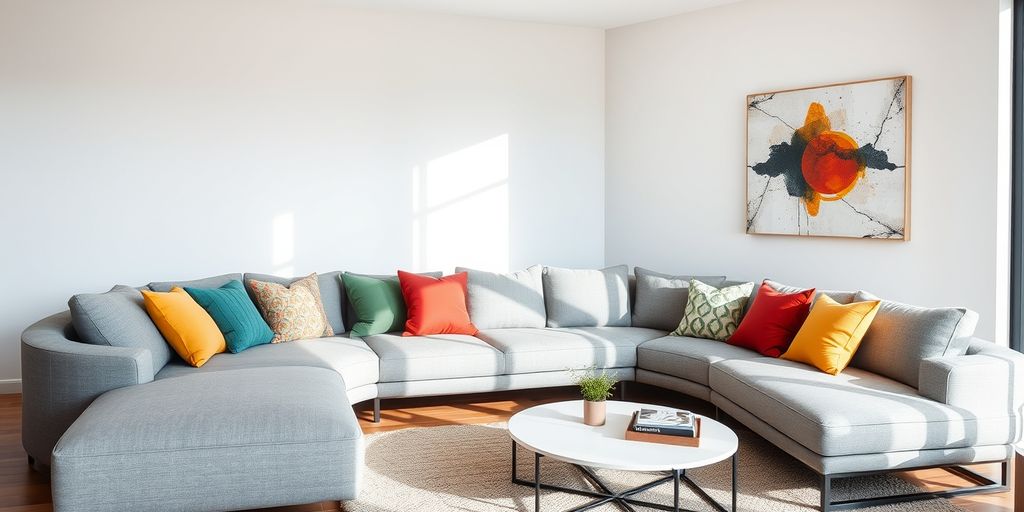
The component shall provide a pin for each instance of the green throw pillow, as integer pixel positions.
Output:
(235, 315)
(378, 304)
(713, 313)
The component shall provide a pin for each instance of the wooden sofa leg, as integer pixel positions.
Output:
(376, 410)
(826, 493)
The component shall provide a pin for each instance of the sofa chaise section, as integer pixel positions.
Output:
(223, 440)
(878, 414)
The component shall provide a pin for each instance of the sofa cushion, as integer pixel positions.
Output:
(332, 294)
(435, 305)
(235, 314)
(377, 305)
(539, 350)
(713, 313)
(186, 326)
(687, 358)
(211, 434)
(118, 318)
(879, 415)
(831, 334)
(206, 282)
(500, 301)
(660, 299)
(901, 336)
(350, 357)
(294, 312)
(350, 313)
(772, 320)
(840, 296)
(441, 356)
(587, 298)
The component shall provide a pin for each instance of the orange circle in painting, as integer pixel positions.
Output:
(830, 164)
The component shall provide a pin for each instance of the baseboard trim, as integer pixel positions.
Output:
(10, 386)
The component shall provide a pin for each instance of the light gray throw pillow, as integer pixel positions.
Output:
(661, 298)
(118, 318)
(587, 298)
(902, 335)
(499, 301)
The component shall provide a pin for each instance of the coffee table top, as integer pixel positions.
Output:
(556, 430)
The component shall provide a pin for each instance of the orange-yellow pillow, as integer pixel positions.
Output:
(831, 334)
(186, 326)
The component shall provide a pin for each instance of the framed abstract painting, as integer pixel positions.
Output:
(831, 161)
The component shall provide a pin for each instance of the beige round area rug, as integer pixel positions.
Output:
(469, 468)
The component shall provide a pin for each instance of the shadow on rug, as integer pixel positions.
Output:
(469, 468)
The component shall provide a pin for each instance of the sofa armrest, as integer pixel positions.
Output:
(61, 377)
(987, 382)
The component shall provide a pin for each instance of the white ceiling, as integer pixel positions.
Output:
(588, 13)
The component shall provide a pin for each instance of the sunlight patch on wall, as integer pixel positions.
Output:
(460, 205)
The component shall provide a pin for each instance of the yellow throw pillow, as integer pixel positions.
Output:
(831, 334)
(186, 326)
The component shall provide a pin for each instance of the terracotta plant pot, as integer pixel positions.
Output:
(594, 413)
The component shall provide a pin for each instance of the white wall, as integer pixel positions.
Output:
(675, 142)
(151, 140)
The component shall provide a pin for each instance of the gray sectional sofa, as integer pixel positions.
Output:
(120, 428)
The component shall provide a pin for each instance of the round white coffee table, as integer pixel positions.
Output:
(557, 431)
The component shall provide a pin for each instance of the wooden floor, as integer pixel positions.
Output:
(23, 490)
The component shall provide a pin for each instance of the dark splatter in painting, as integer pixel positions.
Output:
(784, 160)
(875, 158)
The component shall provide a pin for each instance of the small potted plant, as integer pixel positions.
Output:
(595, 387)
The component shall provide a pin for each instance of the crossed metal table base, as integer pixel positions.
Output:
(624, 499)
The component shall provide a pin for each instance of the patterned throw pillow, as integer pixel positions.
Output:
(293, 312)
(713, 313)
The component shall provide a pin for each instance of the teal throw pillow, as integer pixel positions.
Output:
(378, 304)
(235, 315)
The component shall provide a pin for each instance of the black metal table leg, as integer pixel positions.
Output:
(515, 474)
(536, 482)
(675, 488)
(625, 500)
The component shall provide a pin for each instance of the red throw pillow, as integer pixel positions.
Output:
(435, 306)
(772, 321)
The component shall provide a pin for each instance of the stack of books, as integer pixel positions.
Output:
(661, 425)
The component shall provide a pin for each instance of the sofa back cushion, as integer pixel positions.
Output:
(587, 298)
(332, 294)
(499, 301)
(660, 299)
(903, 335)
(118, 318)
(206, 282)
(842, 297)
